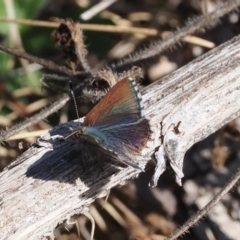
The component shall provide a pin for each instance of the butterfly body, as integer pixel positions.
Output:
(117, 123)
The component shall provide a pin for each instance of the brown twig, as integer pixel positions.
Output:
(48, 64)
(195, 218)
(157, 47)
(112, 28)
(35, 119)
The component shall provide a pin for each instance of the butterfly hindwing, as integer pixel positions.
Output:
(126, 140)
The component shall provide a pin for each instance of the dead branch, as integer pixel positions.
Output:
(55, 179)
(45, 63)
(197, 216)
(199, 23)
(35, 119)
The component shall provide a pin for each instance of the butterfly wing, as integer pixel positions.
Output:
(122, 104)
(126, 141)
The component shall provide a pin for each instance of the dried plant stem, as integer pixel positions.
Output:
(112, 28)
(197, 216)
(196, 24)
(45, 63)
(35, 119)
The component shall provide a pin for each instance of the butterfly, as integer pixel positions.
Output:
(118, 124)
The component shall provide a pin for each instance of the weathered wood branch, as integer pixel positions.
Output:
(55, 179)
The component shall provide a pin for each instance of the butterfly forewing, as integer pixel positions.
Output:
(120, 105)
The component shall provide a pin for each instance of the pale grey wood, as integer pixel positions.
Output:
(53, 181)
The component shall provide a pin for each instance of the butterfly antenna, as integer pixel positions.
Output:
(74, 99)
